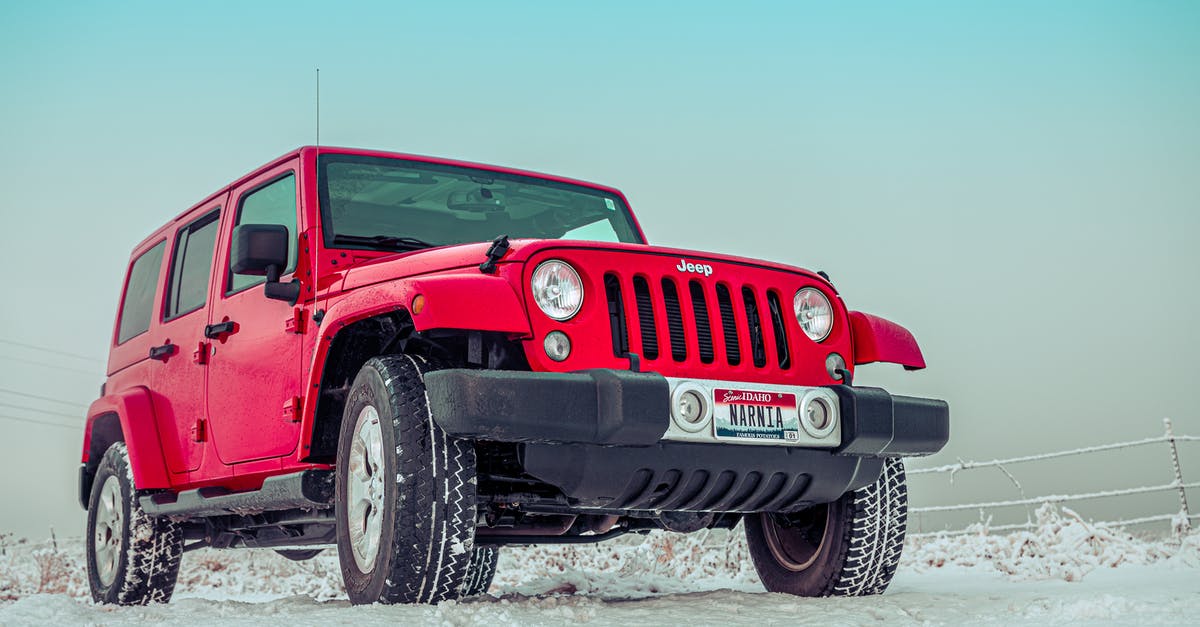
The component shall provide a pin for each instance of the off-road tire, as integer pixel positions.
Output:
(481, 571)
(428, 526)
(146, 563)
(854, 552)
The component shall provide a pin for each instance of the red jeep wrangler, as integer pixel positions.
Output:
(338, 350)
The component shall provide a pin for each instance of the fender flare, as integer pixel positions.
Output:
(452, 301)
(133, 409)
(879, 340)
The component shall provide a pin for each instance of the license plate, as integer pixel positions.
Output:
(755, 415)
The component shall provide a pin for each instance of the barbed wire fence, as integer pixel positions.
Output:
(1180, 520)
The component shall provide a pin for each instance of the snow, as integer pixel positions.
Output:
(1064, 570)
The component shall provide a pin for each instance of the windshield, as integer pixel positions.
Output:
(394, 204)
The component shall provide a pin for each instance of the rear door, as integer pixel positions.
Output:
(177, 379)
(254, 369)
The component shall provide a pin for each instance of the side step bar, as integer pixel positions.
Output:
(307, 489)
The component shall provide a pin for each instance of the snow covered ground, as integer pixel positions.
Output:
(1064, 571)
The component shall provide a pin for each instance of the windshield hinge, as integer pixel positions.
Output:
(494, 253)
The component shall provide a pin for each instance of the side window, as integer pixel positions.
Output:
(137, 308)
(273, 204)
(191, 266)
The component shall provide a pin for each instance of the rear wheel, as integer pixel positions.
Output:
(405, 491)
(132, 558)
(850, 547)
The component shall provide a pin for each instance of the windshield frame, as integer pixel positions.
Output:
(329, 234)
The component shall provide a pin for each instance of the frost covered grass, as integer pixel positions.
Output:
(1062, 547)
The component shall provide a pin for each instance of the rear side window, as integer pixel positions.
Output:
(137, 308)
(274, 203)
(191, 266)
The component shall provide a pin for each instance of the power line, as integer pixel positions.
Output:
(40, 411)
(42, 398)
(41, 422)
(94, 373)
(51, 350)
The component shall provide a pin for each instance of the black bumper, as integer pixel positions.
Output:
(597, 437)
(617, 407)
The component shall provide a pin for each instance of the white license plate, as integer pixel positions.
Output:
(755, 415)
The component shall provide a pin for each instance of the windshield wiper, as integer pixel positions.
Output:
(387, 241)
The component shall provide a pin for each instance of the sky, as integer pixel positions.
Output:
(1017, 183)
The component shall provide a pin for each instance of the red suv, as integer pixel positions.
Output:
(419, 360)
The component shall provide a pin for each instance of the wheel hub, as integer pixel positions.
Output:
(107, 540)
(366, 489)
(796, 541)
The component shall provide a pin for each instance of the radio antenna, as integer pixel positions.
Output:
(318, 106)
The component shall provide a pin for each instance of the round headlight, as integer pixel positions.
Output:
(814, 313)
(557, 289)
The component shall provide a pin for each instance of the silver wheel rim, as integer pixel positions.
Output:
(106, 543)
(364, 515)
(783, 549)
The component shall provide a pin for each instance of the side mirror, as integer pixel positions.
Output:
(262, 250)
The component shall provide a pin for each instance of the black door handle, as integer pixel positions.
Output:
(161, 353)
(215, 331)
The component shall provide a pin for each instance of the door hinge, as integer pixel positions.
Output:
(200, 430)
(297, 323)
(292, 409)
(200, 355)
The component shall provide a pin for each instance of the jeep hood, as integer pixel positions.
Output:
(469, 256)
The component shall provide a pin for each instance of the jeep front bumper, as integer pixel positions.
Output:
(607, 440)
(622, 408)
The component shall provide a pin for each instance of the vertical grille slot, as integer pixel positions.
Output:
(645, 309)
(733, 351)
(703, 326)
(758, 350)
(616, 315)
(674, 320)
(781, 342)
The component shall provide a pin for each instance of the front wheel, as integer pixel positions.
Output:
(405, 491)
(849, 547)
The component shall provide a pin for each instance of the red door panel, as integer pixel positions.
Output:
(177, 377)
(254, 371)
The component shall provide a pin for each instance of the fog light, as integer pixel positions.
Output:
(818, 417)
(690, 407)
(833, 363)
(557, 345)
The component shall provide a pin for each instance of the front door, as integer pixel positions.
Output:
(254, 365)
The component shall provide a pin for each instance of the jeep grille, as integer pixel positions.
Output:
(662, 305)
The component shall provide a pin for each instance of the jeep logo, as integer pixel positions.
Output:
(698, 268)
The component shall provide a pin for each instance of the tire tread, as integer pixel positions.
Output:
(433, 530)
